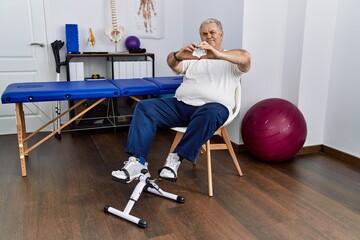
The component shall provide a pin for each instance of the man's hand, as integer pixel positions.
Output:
(211, 52)
(185, 53)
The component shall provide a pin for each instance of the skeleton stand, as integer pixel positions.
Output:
(144, 184)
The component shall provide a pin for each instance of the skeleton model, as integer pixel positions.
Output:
(115, 32)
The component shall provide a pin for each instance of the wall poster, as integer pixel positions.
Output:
(145, 18)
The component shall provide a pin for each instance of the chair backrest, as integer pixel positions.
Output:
(236, 109)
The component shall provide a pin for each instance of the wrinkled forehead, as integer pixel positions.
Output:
(208, 27)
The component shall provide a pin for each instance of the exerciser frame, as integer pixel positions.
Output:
(144, 184)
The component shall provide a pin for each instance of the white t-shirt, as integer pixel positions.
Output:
(209, 80)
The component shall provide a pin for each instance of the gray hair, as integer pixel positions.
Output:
(212, 20)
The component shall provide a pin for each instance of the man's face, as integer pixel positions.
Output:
(211, 34)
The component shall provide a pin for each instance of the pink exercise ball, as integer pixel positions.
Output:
(274, 130)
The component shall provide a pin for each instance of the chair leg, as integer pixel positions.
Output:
(207, 149)
(209, 169)
(176, 141)
(231, 150)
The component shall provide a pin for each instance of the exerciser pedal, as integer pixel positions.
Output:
(145, 183)
(166, 178)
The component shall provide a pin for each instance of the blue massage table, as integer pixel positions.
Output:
(20, 93)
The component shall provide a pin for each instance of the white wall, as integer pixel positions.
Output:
(342, 119)
(294, 32)
(230, 13)
(264, 36)
(316, 66)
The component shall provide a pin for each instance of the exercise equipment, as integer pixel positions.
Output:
(274, 130)
(145, 184)
(132, 42)
(20, 93)
(72, 38)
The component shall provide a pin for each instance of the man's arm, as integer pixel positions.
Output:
(174, 59)
(174, 62)
(240, 57)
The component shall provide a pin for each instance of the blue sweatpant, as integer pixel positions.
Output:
(151, 114)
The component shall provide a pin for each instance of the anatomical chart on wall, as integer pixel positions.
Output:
(145, 18)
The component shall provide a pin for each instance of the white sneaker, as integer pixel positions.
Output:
(169, 171)
(131, 170)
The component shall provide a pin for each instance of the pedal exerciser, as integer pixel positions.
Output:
(145, 184)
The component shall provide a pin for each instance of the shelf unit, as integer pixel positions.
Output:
(116, 112)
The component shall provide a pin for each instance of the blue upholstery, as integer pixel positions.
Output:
(166, 84)
(135, 87)
(58, 91)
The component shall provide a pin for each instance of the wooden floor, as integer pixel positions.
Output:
(69, 183)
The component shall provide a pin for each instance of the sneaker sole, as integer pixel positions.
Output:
(171, 179)
(120, 180)
(124, 180)
(168, 179)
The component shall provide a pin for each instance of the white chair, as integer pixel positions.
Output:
(208, 146)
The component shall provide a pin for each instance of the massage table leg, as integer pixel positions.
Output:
(24, 150)
(21, 133)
